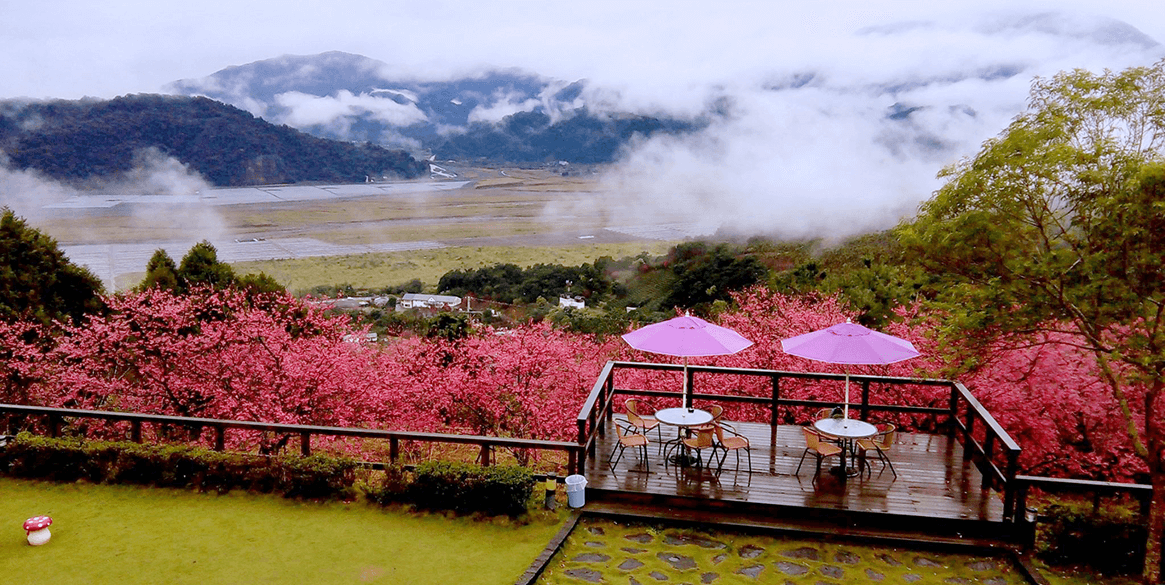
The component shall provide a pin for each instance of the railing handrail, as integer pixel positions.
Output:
(596, 390)
(986, 417)
(1060, 484)
(509, 442)
(784, 374)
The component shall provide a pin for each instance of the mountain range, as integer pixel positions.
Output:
(94, 142)
(498, 115)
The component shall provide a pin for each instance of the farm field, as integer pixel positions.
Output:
(375, 270)
(363, 236)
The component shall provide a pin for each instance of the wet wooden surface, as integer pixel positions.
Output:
(933, 482)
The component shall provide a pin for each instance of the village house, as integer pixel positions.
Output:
(425, 301)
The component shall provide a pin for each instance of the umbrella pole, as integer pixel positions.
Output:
(686, 402)
(846, 392)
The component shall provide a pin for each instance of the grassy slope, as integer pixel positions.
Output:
(125, 534)
(388, 269)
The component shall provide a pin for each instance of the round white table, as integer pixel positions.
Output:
(683, 419)
(846, 430)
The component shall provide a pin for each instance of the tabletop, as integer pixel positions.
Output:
(683, 417)
(846, 428)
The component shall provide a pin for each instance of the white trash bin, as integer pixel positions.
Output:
(576, 491)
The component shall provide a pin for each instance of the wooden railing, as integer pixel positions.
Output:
(56, 418)
(1096, 490)
(996, 455)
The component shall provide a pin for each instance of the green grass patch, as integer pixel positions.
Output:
(127, 534)
(392, 268)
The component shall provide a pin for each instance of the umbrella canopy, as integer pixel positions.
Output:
(849, 343)
(686, 337)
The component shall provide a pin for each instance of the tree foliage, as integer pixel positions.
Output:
(704, 274)
(510, 283)
(200, 268)
(1057, 228)
(37, 281)
(77, 140)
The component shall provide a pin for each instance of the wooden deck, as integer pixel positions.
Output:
(936, 491)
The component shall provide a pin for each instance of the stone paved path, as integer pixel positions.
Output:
(600, 551)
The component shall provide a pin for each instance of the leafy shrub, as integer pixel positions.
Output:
(467, 488)
(315, 476)
(69, 459)
(1111, 540)
(393, 487)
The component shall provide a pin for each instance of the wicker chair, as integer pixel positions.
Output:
(734, 441)
(880, 444)
(702, 439)
(717, 413)
(818, 447)
(641, 422)
(628, 438)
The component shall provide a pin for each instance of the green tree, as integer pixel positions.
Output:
(200, 265)
(1059, 222)
(705, 275)
(37, 281)
(161, 272)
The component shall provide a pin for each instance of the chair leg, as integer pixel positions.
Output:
(886, 462)
(803, 454)
(618, 447)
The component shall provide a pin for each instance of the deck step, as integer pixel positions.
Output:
(800, 527)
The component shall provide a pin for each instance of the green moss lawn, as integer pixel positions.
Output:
(127, 534)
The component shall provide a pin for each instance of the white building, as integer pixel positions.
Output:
(574, 303)
(423, 301)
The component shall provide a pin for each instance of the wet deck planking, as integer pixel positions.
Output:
(933, 482)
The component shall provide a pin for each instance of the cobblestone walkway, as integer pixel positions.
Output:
(601, 551)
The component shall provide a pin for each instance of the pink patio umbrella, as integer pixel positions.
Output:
(849, 343)
(686, 337)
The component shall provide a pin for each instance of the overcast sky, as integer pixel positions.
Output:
(800, 161)
(74, 48)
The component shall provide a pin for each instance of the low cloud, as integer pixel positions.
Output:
(160, 194)
(26, 192)
(850, 140)
(338, 112)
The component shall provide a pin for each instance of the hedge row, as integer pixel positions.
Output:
(70, 459)
(1111, 539)
(461, 487)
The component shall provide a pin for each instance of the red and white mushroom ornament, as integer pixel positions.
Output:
(38, 529)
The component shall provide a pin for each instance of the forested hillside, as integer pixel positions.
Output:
(78, 140)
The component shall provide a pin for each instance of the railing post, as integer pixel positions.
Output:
(1010, 507)
(865, 411)
(305, 444)
(988, 455)
(773, 419)
(393, 449)
(609, 390)
(54, 426)
(485, 449)
(135, 431)
(968, 432)
(954, 415)
(220, 437)
(1019, 513)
